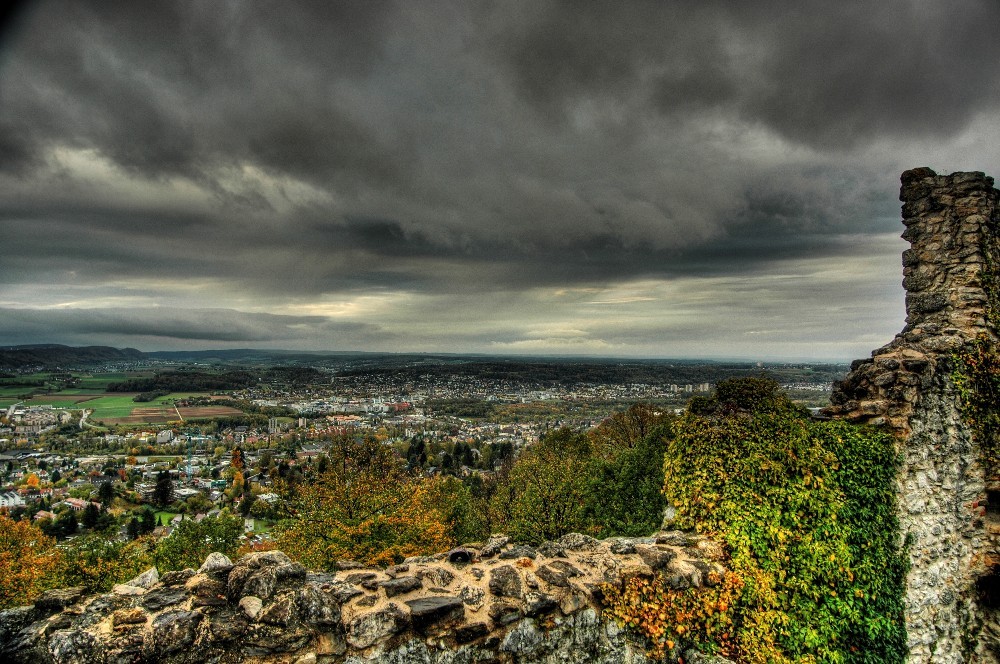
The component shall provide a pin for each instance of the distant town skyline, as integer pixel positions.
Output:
(612, 179)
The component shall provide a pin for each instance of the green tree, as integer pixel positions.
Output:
(106, 493)
(163, 492)
(97, 562)
(90, 516)
(806, 510)
(192, 541)
(624, 490)
(147, 521)
(65, 524)
(545, 494)
(132, 530)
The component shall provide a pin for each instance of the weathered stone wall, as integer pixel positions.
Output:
(952, 225)
(498, 604)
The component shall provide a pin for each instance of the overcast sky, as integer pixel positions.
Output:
(622, 178)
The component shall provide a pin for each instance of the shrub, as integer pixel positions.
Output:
(806, 512)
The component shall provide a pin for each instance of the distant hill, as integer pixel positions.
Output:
(52, 356)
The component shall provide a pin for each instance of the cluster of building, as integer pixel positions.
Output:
(32, 420)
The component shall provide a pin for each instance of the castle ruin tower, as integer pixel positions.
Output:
(949, 512)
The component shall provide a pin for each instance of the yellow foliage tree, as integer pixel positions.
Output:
(237, 483)
(97, 563)
(29, 562)
(33, 482)
(363, 507)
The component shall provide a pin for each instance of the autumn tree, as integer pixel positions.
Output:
(364, 507)
(237, 458)
(237, 487)
(29, 562)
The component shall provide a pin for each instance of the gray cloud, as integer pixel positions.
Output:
(172, 326)
(289, 156)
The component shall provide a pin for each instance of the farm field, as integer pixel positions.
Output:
(60, 400)
(119, 408)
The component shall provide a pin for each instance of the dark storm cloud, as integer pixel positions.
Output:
(823, 74)
(282, 154)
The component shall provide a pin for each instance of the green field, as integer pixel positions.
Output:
(116, 406)
(57, 401)
(105, 406)
(112, 407)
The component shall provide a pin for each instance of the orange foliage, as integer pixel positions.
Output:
(29, 562)
(364, 508)
(33, 482)
(668, 618)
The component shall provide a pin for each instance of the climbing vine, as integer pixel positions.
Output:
(976, 377)
(670, 619)
(806, 512)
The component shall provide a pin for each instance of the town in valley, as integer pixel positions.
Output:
(147, 441)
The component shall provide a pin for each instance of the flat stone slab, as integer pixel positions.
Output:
(427, 611)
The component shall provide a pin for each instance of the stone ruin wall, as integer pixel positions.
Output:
(497, 603)
(952, 225)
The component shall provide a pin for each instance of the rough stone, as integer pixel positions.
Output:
(160, 598)
(400, 586)
(367, 629)
(147, 579)
(56, 600)
(428, 611)
(317, 607)
(506, 582)
(519, 551)
(216, 563)
(537, 604)
(172, 632)
(493, 546)
(261, 574)
(953, 225)
(251, 606)
(176, 577)
(343, 592)
(502, 613)
(131, 616)
(435, 576)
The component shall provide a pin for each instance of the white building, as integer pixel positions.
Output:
(10, 499)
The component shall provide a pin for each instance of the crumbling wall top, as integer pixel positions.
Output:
(951, 223)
